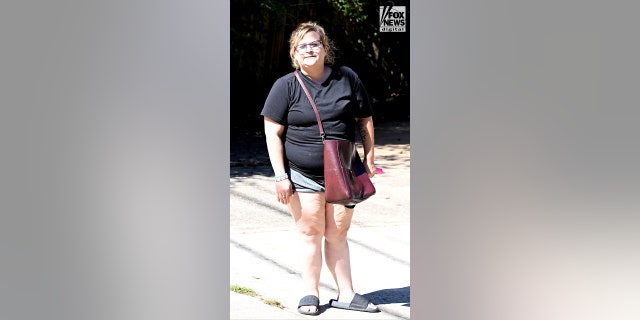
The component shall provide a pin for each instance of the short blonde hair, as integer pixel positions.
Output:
(298, 34)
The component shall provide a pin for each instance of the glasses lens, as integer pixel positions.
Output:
(313, 45)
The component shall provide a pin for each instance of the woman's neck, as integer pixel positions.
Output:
(318, 75)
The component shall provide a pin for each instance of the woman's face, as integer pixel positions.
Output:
(310, 51)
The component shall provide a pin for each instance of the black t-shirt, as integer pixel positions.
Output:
(340, 99)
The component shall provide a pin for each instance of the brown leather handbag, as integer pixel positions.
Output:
(345, 178)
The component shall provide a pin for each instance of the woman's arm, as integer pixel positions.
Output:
(273, 134)
(365, 128)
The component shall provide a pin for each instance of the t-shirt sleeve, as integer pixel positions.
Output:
(364, 108)
(277, 102)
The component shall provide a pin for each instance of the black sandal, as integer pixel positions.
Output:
(309, 300)
(358, 303)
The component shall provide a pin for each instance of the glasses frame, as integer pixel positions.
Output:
(303, 47)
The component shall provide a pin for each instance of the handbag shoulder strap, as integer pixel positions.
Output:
(315, 109)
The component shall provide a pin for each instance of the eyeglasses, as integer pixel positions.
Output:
(313, 45)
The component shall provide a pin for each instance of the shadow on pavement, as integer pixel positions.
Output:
(248, 150)
(388, 296)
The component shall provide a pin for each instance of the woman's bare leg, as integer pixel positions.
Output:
(308, 210)
(336, 248)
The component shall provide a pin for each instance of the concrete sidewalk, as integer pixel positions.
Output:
(262, 255)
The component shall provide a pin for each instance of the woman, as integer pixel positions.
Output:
(296, 154)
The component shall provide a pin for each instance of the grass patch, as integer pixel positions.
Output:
(252, 293)
(243, 290)
(273, 302)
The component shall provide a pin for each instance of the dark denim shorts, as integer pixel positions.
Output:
(302, 183)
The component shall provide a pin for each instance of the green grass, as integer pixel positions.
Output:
(273, 302)
(252, 293)
(242, 290)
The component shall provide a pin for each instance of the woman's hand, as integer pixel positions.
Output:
(365, 126)
(283, 191)
(370, 167)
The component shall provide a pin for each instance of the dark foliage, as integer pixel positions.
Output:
(259, 52)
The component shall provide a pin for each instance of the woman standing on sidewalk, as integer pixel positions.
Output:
(296, 154)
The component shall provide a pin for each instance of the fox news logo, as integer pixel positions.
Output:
(393, 19)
